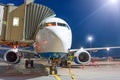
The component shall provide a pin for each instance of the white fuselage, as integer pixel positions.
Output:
(54, 38)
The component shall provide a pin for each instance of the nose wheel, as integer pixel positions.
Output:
(53, 70)
(53, 67)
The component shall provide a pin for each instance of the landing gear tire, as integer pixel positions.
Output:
(29, 64)
(26, 63)
(63, 63)
(32, 63)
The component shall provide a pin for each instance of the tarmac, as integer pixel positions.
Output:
(101, 70)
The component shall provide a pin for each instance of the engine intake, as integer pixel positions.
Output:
(11, 56)
(82, 57)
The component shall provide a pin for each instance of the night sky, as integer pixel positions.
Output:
(98, 18)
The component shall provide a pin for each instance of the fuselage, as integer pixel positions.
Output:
(54, 37)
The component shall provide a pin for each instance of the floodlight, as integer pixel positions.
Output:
(90, 38)
(108, 49)
(113, 1)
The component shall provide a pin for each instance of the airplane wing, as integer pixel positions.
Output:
(27, 51)
(95, 49)
(20, 50)
(23, 43)
(82, 56)
(4, 48)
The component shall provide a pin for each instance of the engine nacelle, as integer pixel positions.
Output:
(82, 57)
(12, 56)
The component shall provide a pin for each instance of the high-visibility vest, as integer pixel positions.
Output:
(70, 58)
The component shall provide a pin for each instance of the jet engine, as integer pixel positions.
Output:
(82, 57)
(12, 56)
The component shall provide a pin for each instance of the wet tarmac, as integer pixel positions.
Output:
(101, 71)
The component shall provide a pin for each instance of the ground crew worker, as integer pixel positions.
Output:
(70, 59)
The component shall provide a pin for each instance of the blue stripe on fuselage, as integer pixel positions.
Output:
(51, 54)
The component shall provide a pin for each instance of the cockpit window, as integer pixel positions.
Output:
(50, 24)
(61, 24)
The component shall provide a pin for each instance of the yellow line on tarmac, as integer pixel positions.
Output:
(57, 77)
(73, 76)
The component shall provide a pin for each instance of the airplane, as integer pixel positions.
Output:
(52, 42)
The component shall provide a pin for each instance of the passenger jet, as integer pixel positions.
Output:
(53, 42)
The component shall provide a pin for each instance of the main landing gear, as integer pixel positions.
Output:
(29, 63)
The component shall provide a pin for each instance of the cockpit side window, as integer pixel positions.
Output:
(50, 24)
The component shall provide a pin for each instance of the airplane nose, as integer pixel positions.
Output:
(64, 34)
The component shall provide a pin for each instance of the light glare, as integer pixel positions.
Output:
(113, 1)
(15, 50)
(108, 49)
(90, 38)
(16, 21)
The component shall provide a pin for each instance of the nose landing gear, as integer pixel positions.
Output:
(53, 67)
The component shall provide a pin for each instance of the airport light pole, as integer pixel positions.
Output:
(90, 39)
(108, 49)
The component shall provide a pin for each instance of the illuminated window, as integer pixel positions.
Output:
(16, 21)
(50, 24)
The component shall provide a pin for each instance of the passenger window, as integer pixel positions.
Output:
(50, 24)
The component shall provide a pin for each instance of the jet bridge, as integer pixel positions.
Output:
(21, 22)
